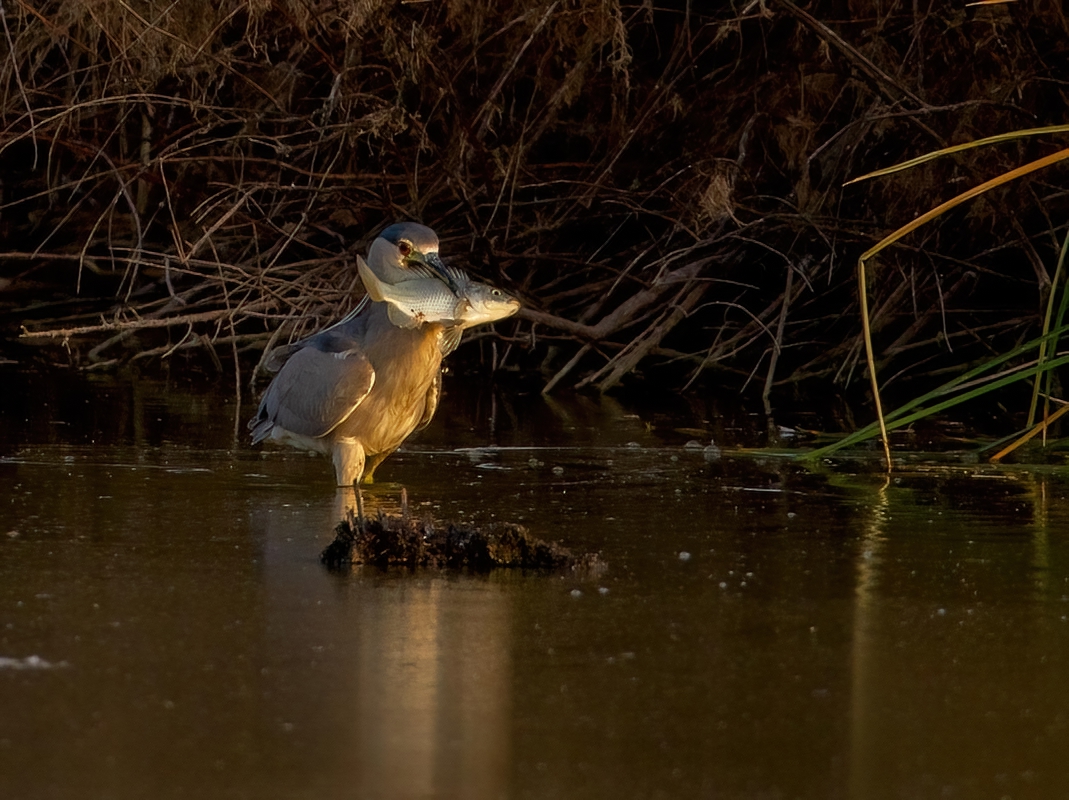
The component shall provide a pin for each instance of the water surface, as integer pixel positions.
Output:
(763, 630)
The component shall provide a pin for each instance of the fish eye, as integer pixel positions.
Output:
(495, 292)
(404, 247)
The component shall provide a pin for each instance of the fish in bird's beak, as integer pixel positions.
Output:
(432, 262)
(426, 298)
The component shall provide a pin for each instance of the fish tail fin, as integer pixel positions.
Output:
(372, 284)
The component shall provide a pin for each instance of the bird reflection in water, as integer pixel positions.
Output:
(413, 696)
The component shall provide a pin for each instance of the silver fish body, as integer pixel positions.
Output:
(427, 298)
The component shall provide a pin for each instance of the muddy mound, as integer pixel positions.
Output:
(401, 541)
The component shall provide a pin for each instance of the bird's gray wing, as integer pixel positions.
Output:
(434, 394)
(334, 337)
(315, 391)
(277, 358)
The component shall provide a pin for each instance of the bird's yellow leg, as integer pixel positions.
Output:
(372, 464)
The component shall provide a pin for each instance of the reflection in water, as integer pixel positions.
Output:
(1040, 534)
(431, 706)
(865, 777)
(941, 689)
(421, 694)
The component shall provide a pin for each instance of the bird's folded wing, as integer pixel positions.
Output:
(277, 358)
(335, 337)
(316, 391)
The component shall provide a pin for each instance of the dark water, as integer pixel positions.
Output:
(763, 631)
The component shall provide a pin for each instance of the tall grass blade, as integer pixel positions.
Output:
(958, 148)
(1047, 421)
(1043, 348)
(928, 216)
(869, 431)
(894, 419)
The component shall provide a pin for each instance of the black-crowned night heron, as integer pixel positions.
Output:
(358, 389)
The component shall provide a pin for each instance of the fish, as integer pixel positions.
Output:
(427, 298)
(423, 298)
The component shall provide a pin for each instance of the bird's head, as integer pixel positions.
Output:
(404, 246)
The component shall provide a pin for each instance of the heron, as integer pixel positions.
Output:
(357, 389)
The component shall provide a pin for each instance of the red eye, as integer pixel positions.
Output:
(405, 248)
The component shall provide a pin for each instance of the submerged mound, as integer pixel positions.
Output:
(403, 541)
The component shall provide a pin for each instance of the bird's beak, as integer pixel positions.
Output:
(432, 262)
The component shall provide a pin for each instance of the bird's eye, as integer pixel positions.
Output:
(405, 248)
